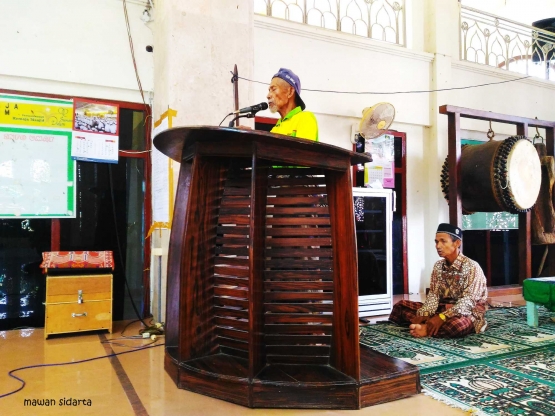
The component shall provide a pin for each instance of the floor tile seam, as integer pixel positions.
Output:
(125, 382)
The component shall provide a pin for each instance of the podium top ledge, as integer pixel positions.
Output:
(171, 142)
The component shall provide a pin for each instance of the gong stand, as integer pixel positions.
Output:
(522, 124)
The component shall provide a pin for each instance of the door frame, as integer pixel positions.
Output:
(145, 155)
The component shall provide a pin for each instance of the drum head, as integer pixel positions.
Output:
(524, 174)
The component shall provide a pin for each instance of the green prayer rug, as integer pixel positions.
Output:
(508, 370)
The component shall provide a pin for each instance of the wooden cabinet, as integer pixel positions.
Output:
(77, 303)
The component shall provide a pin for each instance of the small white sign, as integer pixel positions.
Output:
(94, 147)
(160, 174)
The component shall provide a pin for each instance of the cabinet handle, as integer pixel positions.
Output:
(75, 315)
(79, 296)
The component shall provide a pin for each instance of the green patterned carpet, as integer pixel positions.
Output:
(508, 370)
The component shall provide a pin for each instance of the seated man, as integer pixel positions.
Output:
(456, 303)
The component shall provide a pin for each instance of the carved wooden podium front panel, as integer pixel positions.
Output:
(262, 296)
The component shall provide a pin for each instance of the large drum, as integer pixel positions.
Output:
(497, 176)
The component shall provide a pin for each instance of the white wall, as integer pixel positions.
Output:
(80, 48)
(74, 47)
(330, 60)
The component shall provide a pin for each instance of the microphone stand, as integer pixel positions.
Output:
(248, 115)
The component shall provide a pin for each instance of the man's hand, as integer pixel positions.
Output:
(434, 323)
(419, 320)
(241, 127)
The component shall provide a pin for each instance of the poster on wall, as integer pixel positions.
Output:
(160, 174)
(95, 132)
(36, 169)
(381, 171)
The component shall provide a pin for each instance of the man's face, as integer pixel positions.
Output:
(279, 94)
(445, 246)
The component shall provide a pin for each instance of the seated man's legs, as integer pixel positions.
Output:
(405, 310)
(456, 327)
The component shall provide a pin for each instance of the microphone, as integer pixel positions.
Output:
(252, 109)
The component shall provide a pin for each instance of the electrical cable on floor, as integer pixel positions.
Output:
(126, 326)
(10, 373)
(113, 341)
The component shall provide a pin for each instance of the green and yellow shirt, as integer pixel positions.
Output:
(298, 123)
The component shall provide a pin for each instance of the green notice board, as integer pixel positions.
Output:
(488, 220)
(36, 168)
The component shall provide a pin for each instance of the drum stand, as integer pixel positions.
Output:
(522, 124)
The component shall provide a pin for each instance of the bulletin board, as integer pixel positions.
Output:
(36, 168)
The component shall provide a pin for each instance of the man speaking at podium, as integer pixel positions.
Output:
(284, 97)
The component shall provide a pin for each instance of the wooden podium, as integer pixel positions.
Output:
(262, 292)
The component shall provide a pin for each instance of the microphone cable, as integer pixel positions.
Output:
(224, 119)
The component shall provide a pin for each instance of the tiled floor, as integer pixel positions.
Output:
(142, 388)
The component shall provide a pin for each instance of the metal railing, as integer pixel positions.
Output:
(377, 19)
(506, 44)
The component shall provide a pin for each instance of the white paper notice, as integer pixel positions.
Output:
(94, 147)
(382, 168)
(35, 176)
(160, 180)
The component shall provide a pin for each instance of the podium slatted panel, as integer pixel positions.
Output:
(231, 265)
(298, 278)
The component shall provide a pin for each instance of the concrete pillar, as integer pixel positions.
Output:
(196, 45)
(442, 40)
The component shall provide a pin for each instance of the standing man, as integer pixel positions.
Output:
(456, 303)
(284, 97)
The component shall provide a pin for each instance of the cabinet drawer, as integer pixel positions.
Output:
(66, 288)
(70, 317)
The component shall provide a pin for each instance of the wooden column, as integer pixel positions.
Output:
(524, 229)
(55, 234)
(259, 192)
(550, 145)
(455, 193)
(345, 274)
(173, 288)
